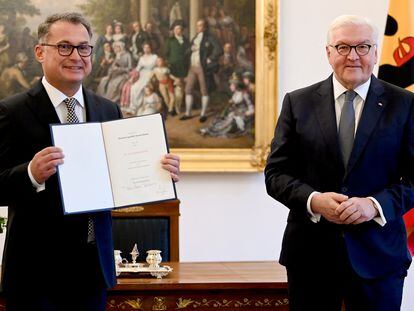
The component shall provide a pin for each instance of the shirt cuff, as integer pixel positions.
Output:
(314, 217)
(380, 219)
(39, 187)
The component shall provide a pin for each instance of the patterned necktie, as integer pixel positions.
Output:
(347, 126)
(73, 118)
(70, 103)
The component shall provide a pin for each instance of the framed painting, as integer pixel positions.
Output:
(209, 66)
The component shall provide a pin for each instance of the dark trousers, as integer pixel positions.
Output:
(326, 285)
(88, 293)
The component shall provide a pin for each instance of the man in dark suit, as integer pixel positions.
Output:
(53, 261)
(342, 162)
(138, 38)
(204, 62)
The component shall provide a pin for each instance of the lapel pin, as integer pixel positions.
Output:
(380, 104)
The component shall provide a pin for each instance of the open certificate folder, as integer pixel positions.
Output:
(113, 164)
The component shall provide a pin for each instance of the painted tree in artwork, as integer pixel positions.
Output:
(241, 10)
(102, 12)
(12, 12)
(13, 15)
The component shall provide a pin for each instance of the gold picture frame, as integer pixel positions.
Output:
(266, 63)
(197, 157)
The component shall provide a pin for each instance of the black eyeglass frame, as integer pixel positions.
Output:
(355, 47)
(59, 46)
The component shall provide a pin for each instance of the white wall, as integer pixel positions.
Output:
(230, 216)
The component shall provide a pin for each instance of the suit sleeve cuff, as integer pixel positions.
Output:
(36, 185)
(314, 217)
(380, 219)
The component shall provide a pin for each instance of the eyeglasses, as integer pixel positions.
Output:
(65, 49)
(344, 49)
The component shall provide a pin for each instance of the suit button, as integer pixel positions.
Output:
(344, 189)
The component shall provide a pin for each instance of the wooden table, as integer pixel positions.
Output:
(205, 286)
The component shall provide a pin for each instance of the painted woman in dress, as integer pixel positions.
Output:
(100, 42)
(105, 61)
(120, 35)
(111, 85)
(145, 68)
(237, 118)
(151, 102)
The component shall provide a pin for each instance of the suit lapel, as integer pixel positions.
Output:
(92, 111)
(41, 106)
(325, 112)
(371, 113)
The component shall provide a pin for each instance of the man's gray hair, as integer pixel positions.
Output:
(354, 20)
(70, 17)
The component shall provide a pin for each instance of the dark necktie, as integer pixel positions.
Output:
(347, 126)
(73, 118)
(70, 103)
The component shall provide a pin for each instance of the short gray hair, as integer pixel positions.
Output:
(71, 17)
(355, 20)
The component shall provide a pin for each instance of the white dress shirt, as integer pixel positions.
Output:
(57, 98)
(180, 39)
(359, 101)
(195, 48)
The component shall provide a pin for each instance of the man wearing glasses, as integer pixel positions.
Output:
(54, 261)
(342, 162)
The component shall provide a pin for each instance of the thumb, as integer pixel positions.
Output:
(339, 197)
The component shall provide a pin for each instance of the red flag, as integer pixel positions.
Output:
(409, 226)
(397, 66)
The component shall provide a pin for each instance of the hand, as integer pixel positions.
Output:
(171, 163)
(356, 211)
(326, 204)
(44, 163)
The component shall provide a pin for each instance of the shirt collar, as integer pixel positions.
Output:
(200, 35)
(57, 97)
(361, 90)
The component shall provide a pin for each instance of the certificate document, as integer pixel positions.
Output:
(113, 164)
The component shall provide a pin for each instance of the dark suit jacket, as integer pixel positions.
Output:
(209, 49)
(305, 157)
(177, 56)
(140, 39)
(43, 246)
